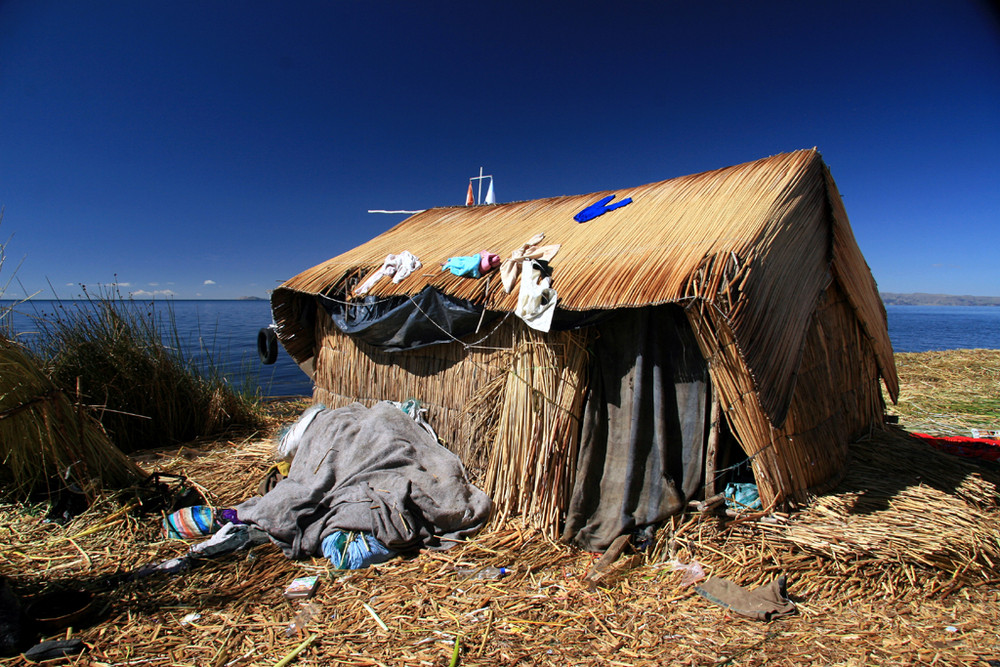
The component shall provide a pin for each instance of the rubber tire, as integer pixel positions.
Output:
(267, 346)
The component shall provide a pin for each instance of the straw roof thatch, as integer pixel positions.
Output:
(758, 242)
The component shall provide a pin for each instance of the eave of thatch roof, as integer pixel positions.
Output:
(760, 241)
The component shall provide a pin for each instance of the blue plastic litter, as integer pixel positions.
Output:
(353, 551)
(743, 496)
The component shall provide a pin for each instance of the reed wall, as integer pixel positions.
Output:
(836, 398)
(444, 378)
(508, 406)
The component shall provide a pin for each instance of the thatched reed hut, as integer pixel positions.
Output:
(719, 320)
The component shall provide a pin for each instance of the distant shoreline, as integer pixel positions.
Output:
(922, 299)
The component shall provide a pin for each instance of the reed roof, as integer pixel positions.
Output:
(759, 240)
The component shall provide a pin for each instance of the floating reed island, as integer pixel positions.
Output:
(713, 329)
(898, 564)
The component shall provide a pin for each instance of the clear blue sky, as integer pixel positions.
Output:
(214, 149)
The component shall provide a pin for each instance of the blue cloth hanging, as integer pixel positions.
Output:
(600, 208)
(465, 267)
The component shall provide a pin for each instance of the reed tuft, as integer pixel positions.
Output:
(109, 352)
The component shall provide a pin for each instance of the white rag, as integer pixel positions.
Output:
(398, 266)
(530, 250)
(536, 301)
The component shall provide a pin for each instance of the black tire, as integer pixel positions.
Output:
(267, 345)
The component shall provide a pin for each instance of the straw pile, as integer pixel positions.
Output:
(864, 596)
(949, 393)
(46, 440)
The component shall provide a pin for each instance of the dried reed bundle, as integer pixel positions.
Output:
(45, 437)
(837, 399)
(532, 461)
(905, 502)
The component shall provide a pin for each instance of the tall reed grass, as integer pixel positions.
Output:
(48, 441)
(124, 359)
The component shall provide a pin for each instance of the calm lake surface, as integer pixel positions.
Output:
(927, 328)
(225, 334)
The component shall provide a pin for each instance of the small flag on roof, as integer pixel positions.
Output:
(470, 199)
(490, 198)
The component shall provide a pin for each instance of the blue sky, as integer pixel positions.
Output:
(213, 149)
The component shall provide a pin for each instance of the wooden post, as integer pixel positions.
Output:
(712, 446)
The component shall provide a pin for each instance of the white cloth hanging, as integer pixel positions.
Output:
(536, 300)
(530, 250)
(398, 266)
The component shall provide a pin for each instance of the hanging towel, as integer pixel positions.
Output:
(536, 301)
(600, 208)
(490, 197)
(398, 266)
(488, 261)
(511, 267)
(463, 267)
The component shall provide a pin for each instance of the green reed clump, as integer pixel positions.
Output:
(109, 353)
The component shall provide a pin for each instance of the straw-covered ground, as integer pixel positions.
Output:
(899, 565)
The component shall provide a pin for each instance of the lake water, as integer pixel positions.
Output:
(927, 328)
(225, 332)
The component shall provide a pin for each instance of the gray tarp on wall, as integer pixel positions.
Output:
(402, 323)
(644, 426)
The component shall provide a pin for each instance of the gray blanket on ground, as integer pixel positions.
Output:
(373, 470)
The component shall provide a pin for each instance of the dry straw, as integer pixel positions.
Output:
(885, 604)
(46, 439)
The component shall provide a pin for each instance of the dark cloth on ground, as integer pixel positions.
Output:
(644, 424)
(764, 604)
(372, 470)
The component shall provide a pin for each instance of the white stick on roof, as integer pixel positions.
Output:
(480, 177)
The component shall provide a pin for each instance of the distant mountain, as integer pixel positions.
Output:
(921, 299)
(250, 298)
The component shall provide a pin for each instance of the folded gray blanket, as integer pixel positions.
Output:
(372, 470)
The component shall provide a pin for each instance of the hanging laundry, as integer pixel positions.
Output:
(464, 267)
(398, 266)
(472, 266)
(536, 301)
(510, 268)
(488, 261)
(600, 208)
(470, 198)
(490, 197)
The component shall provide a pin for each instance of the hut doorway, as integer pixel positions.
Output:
(644, 428)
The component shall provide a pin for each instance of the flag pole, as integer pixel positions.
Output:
(480, 179)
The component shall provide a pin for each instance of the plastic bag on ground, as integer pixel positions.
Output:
(353, 551)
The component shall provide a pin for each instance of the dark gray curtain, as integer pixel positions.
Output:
(644, 426)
